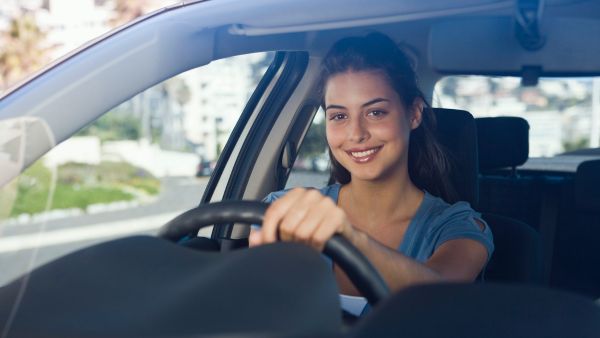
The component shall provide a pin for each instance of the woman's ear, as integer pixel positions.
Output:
(417, 113)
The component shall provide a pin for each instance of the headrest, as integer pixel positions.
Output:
(503, 141)
(457, 133)
(587, 182)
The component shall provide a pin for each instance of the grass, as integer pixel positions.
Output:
(80, 185)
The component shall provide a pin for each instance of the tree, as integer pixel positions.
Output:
(177, 88)
(315, 141)
(127, 10)
(114, 126)
(23, 51)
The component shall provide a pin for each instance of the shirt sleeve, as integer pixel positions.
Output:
(459, 221)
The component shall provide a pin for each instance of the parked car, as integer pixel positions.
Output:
(544, 211)
(204, 168)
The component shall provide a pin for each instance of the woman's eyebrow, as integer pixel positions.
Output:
(377, 100)
(334, 106)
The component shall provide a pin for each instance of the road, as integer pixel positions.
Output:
(26, 246)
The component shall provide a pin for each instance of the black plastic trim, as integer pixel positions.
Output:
(294, 68)
(302, 124)
(240, 125)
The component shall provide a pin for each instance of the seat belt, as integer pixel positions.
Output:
(548, 221)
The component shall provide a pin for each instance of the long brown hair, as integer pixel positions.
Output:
(428, 165)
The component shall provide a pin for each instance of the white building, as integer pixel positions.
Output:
(219, 91)
(545, 133)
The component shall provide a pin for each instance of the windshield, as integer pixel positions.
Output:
(129, 172)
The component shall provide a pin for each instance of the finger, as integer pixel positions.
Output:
(314, 218)
(255, 238)
(275, 213)
(295, 218)
(333, 223)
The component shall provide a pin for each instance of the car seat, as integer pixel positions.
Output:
(503, 142)
(517, 256)
(577, 253)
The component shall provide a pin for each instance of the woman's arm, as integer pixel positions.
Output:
(308, 217)
(458, 260)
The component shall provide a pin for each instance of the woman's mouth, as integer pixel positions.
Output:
(363, 155)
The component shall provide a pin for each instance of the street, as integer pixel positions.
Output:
(26, 246)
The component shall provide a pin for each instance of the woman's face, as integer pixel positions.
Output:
(367, 124)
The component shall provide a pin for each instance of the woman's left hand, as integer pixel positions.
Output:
(305, 216)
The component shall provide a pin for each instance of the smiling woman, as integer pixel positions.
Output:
(390, 72)
(62, 276)
(391, 196)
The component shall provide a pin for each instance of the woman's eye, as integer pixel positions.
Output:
(376, 113)
(337, 117)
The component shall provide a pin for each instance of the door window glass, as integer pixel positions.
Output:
(311, 168)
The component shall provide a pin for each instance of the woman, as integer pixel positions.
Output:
(389, 170)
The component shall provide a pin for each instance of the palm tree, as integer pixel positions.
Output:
(24, 50)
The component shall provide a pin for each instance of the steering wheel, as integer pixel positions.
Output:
(360, 271)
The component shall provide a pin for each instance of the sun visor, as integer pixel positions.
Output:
(489, 46)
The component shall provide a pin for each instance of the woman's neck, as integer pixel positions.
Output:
(394, 199)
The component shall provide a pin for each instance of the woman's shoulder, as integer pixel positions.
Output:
(447, 221)
(330, 191)
(437, 208)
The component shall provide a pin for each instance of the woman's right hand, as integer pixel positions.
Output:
(305, 216)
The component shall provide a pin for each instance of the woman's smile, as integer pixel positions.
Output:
(363, 155)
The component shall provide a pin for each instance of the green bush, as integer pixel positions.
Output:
(80, 185)
(114, 126)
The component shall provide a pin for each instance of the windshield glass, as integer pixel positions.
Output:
(129, 172)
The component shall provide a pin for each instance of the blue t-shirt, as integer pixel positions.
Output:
(434, 223)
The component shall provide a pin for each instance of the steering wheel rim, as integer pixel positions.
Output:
(358, 268)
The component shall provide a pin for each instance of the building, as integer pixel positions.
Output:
(218, 93)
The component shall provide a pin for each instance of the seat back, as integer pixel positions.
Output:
(577, 254)
(503, 142)
(457, 133)
(481, 310)
(474, 143)
(518, 251)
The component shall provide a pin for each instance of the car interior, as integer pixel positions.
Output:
(542, 280)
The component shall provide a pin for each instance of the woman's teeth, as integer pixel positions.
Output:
(363, 153)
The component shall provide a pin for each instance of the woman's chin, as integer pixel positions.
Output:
(367, 175)
(375, 174)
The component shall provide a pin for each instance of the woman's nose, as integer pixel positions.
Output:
(357, 131)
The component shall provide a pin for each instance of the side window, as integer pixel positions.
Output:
(311, 168)
(130, 171)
